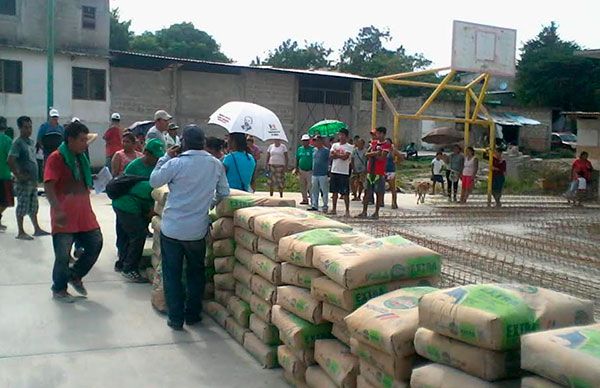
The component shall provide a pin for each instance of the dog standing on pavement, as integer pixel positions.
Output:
(421, 190)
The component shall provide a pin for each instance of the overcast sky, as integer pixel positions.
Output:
(246, 28)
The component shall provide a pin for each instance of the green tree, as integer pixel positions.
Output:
(290, 55)
(550, 74)
(120, 36)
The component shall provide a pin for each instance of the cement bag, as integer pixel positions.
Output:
(290, 363)
(317, 378)
(379, 261)
(297, 332)
(245, 239)
(239, 310)
(333, 313)
(268, 248)
(537, 382)
(242, 274)
(224, 264)
(298, 276)
(377, 378)
(156, 220)
(159, 195)
(267, 268)
(222, 228)
(230, 204)
(361, 382)
(263, 289)
(148, 273)
(158, 209)
(266, 355)
(389, 322)
(224, 281)
(441, 376)
(222, 296)
(222, 248)
(489, 365)
(397, 367)
(275, 226)
(155, 260)
(340, 331)
(236, 330)
(267, 333)
(209, 291)
(570, 357)
(244, 218)
(494, 316)
(298, 248)
(243, 292)
(307, 355)
(261, 308)
(244, 256)
(294, 382)
(298, 301)
(336, 360)
(157, 295)
(216, 312)
(326, 290)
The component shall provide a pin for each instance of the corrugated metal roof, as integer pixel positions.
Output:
(508, 118)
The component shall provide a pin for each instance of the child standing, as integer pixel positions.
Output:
(437, 166)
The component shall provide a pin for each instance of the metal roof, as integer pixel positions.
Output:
(508, 118)
(589, 53)
(159, 62)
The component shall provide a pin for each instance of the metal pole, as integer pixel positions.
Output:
(50, 57)
(492, 131)
(467, 117)
(374, 107)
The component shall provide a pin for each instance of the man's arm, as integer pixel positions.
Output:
(12, 164)
(222, 186)
(163, 172)
(60, 217)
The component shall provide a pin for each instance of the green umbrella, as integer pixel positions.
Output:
(326, 128)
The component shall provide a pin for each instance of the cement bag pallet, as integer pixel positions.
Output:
(261, 308)
(494, 316)
(340, 331)
(376, 378)
(266, 355)
(396, 367)
(378, 261)
(242, 274)
(275, 226)
(298, 301)
(266, 268)
(244, 256)
(307, 355)
(239, 310)
(316, 377)
(230, 204)
(263, 289)
(297, 249)
(538, 382)
(244, 218)
(224, 247)
(489, 365)
(224, 264)
(298, 276)
(222, 228)
(243, 292)
(217, 312)
(442, 376)
(237, 331)
(246, 239)
(266, 332)
(570, 357)
(268, 248)
(297, 332)
(326, 290)
(336, 360)
(389, 322)
(291, 363)
(333, 313)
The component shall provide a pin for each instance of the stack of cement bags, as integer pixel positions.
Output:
(477, 329)
(562, 358)
(382, 332)
(157, 294)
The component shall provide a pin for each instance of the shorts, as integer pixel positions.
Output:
(27, 198)
(390, 175)
(468, 182)
(437, 178)
(358, 177)
(375, 183)
(340, 184)
(7, 197)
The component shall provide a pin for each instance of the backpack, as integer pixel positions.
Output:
(120, 186)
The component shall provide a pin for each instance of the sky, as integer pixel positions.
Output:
(246, 29)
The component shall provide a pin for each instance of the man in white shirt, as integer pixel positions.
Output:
(437, 166)
(171, 136)
(161, 125)
(340, 171)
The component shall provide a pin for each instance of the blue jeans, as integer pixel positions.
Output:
(182, 305)
(319, 186)
(90, 241)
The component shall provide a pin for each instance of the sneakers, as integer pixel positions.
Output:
(133, 276)
(175, 326)
(191, 321)
(77, 284)
(63, 297)
(118, 266)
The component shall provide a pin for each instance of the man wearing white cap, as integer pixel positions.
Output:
(304, 163)
(113, 138)
(50, 134)
(161, 125)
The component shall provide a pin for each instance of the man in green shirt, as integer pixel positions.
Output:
(304, 162)
(134, 211)
(6, 186)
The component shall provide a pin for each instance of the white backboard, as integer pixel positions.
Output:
(484, 49)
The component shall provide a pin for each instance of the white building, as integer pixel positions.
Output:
(81, 65)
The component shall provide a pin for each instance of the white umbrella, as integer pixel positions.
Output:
(248, 118)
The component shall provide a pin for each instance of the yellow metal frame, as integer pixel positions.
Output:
(471, 116)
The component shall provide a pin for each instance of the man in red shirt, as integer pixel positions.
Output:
(377, 158)
(113, 138)
(67, 179)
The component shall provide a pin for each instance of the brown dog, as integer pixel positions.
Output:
(421, 190)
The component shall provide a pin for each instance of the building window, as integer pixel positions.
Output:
(320, 96)
(89, 84)
(88, 17)
(11, 76)
(8, 7)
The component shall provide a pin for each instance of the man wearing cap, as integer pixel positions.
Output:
(161, 125)
(376, 161)
(113, 138)
(50, 134)
(134, 211)
(172, 137)
(304, 162)
(185, 221)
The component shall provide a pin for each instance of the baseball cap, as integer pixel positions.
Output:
(194, 137)
(54, 113)
(155, 147)
(162, 114)
(305, 137)
(75, 120)
(115, 116)
(173, 126)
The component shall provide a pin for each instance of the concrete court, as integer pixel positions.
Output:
(112, 339)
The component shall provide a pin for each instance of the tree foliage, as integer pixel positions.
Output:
(290, 55)
(550, 74)
(120, 36)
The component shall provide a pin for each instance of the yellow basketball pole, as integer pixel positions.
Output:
(396, 129)
(467, 123)
(374, 106)
(435, 93)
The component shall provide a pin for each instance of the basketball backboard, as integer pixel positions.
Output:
(479, 48)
